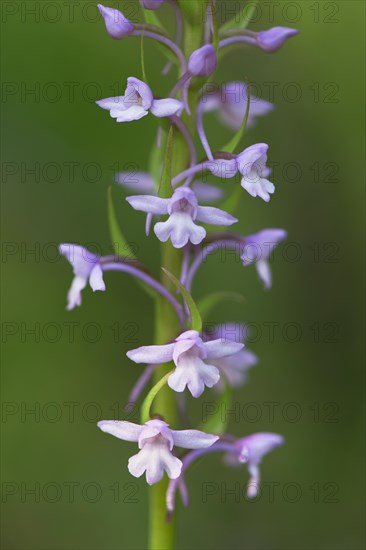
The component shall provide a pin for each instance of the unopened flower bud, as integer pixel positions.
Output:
(203, 61)
(272, 39)
(117, 25)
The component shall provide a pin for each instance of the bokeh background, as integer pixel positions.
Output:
(65, 484)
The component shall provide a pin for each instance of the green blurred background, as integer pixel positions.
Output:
(83, 496)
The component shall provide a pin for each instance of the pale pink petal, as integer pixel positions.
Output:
(166, 107)
(219, 348)
(74, 294)
(96, 278)
(135, 112)
(181, 229)
(214, 216)
(109, 103)
(128, 431)
(193, 439)
(264, 272)
(152, 354)
(149, 204)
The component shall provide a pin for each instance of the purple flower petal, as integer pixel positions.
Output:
(180, 228)
(81, 259)
(264, 273)
(193, 373)
(181, 347)
(231, 103)
(111, 103)
(250, 156)
(214, 216)
(96, 278)
(166, 107)
(140, 182)
(135, 112)
(149, 204)
(206, 192)
(234, 368)
(219, 348)
(152, 354)
(259, 188)
(128, 431)
(259, 444)
(193, 439)
(260, 246)
(74, 294)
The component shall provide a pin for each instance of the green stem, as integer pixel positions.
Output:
(161, 532)
(146, 406)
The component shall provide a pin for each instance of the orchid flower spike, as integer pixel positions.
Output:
(258, 248)
(230, 101)
(86, 268)
(251, 450)
(151, 4)
(117, 25)
(143, 182)
(233, 368)
(183, 211)
(156, 441)
(273, 39)
(137, 102)
(189, 354)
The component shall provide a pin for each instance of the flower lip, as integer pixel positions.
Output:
(156, 441)
(117, 25)
(137, 102)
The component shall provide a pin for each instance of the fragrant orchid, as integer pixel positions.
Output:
(156, 441)
(250, 450)
(137, 102)
(86, 267)
(258, 248)
(190, 355)
(183, 211)
(230, 103)
(250, 163)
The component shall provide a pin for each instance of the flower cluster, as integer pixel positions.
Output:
(175, 201)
